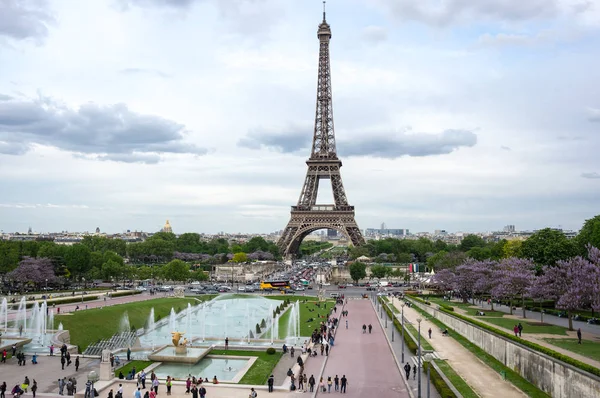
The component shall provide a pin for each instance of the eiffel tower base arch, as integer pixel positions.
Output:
(303, 223)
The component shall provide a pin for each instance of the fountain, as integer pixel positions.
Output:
(21, 322)
(172, 319)
(51, 320)
(4, 314)
(189, 320)
(124, 325)
(60, 326)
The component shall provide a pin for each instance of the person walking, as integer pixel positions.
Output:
(300, 382)
(414, 372)
(62, 362)
(34, 388)
(321, 385)
(364, 328)
(270, 383)
(520, 328)
(77, 363)
(137, 393)
(322, 348)
(336, 383)
(516, 331)
(329, 384)
(311, 383)
(346, 324)
(407, 370)
(4, 356)
(579, 336)
(169, 384)
(226, 343)
(155, 385)
(429, 331)
(143, 379)
(327, 350)
(292, 350)
(128, 354)
(3, 390)
(188, 385)
(344, 383)
(202, 392)
(370, 328)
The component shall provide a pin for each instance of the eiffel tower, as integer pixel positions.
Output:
(323, 164)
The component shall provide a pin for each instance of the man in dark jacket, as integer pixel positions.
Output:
(270, 383)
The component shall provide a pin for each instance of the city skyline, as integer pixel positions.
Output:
(453, 116)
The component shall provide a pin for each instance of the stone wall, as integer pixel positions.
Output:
(552, 376)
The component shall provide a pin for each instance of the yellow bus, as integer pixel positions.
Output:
(274, 285)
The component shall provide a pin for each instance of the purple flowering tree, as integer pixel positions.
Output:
(35, 270)
(444, 280)
(465, 278)
(574, 284)
(485, 278)
(514, 277)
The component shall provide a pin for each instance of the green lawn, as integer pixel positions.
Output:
(587, 348)
(139, 365)
(89, 326)
(308, 310)
(458, 382)
(260, 370)
(529, 327)
(469, 308)
(511, 376)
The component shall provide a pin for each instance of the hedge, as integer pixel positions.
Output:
(420, 300)
(51, 302)
(564, 358)
(439, 383)
(125, 293)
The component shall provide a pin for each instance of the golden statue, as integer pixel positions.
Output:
(176, 337)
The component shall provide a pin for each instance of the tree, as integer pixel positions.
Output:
(379, 271)
(471, 241)
(112, 256)
(514, 277)
(404, 258)
(112, 269)
(573, 284)
(444, 280)
(240, 257)
(465, 278)
(176, 270)
(547, 246)
(96, 260)
(480, 253)
(512, 248)
(358, 271)
(9, 256)
(188, 243)
(77, 259)
(34, 270)
(199, 275)
(486, 278)
(589, 235)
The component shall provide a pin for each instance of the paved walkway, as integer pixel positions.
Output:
(482, 379)
(539, 338)
(586, 328)
(365, 359)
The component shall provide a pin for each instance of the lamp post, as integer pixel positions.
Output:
(92, 378)
(46, 284)
(83, 291)
(419, 361)
(402, 305)
(428, 358)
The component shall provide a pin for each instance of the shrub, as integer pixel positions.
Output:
(278, 310)
(125, 293)
(257, 329)
(263, 324)
(270, 351)
(439, 383)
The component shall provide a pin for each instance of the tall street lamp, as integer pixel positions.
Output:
(429, 359)
(419, 361)
(83, 291)
(402, 305)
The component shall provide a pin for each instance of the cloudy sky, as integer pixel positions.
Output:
(464, 115)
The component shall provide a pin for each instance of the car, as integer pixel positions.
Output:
(310, 287)
(326, 284)
(141, 289)
(249, 289)
(223, 290)
(371, 288)
(241, 289)
(195, 283)
(349, 285)
(341, 286)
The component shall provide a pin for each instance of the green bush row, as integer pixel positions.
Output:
(125, 293)
(561, 357)
(420, 300)
(439, 383)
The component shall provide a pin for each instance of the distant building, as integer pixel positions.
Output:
(97, 230)
(332, 233)
(167, 228)
(509, 228)
(386, 232)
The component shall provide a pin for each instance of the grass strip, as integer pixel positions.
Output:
(89, 326)
(262, 368)
(139, 365)
(511, 376)
(590, 349)
(458, 382)
(424, 343)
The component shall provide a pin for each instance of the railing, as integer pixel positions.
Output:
(119, 340)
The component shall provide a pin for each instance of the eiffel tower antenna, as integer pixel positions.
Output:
(308, 216)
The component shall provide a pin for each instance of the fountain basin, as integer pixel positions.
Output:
(188, 355)
(228, 369)
(7, 342)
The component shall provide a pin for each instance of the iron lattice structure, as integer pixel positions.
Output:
(323, 164)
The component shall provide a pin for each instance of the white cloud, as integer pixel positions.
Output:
(202, 112)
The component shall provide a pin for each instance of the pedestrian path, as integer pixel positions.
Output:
(539, 338)
(482, 379)
(365, 359)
